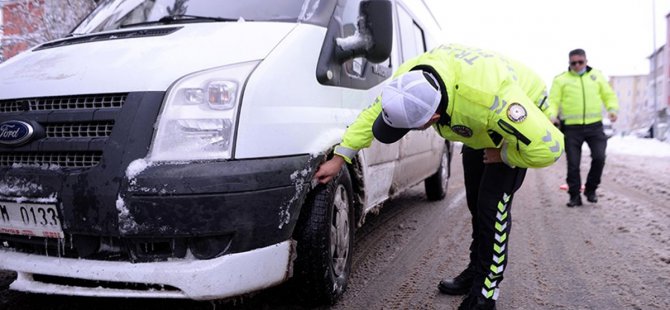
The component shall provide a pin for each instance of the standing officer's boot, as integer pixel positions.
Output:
(460, 285)
(575, 200)
(591, 196)
(477, 302)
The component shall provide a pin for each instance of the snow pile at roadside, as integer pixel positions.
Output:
(629, 145)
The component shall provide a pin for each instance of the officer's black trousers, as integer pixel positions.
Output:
(575, 136)
(489, 189)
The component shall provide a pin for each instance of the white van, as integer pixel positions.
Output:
(166, 148)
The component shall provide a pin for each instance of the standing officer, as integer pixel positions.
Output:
(474, 96)
(579, 93)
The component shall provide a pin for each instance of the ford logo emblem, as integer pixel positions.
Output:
(15, 132)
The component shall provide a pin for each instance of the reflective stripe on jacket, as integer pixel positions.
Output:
(579, 98)
(487, 106)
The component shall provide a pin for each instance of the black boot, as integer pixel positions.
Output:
(460, 285)
(478, 302)
(591, 196)
(575, 200)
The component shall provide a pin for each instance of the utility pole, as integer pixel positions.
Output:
(654, 77)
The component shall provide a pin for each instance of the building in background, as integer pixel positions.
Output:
(1, 31)
(20, 25)
(658, 90)
(27, 23)
(659, 87)
(635, 109)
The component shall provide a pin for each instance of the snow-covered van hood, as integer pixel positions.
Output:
(136, 64)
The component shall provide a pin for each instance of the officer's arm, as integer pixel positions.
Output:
(359, 134)
(530, 139)
(555, 96)
(608, 96)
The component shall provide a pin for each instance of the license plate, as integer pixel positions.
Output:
(30, 219)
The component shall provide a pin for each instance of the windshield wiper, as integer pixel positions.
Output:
(183, 17)
(180, 18)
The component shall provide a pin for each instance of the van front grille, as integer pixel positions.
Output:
(84, 159)
(63, 103)
(80, 130)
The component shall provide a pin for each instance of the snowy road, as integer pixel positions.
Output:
(614, 254)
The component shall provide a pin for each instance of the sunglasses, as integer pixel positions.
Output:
(578, 62)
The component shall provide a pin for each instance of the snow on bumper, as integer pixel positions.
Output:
(222, 277)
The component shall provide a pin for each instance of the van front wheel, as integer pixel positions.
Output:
(325, 236)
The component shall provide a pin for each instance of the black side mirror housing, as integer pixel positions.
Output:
(374, 38)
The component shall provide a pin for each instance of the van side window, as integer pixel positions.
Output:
(411, 35)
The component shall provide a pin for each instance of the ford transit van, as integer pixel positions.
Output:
(166, 148)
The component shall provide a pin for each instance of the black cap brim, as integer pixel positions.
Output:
(385, 133)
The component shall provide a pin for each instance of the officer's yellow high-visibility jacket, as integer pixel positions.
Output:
(533, 85)
(485, 104)
(579, 98)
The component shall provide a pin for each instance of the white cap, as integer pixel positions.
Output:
(408, 102)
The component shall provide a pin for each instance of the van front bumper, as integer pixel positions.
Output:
(222, 277)
(253, 203)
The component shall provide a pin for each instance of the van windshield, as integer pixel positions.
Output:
(115, 14)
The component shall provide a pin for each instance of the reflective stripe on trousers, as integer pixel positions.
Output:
(489, 190)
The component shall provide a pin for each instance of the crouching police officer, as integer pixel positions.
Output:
(489, 103)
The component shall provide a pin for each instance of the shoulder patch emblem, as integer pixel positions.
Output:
(462, 130)
(593, 77)
(516, 112)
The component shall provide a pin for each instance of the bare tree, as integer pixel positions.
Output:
(31, 22)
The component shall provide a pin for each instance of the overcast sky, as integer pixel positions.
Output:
(616, 34)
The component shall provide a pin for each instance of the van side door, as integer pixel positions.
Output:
(420, 150)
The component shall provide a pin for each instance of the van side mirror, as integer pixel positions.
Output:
(374, 37)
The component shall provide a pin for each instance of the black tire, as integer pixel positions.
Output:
(436, 185)
(325, 236)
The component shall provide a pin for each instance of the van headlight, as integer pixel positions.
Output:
(197, 121)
